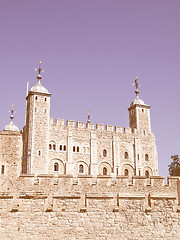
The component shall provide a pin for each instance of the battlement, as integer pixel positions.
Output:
(91, 126)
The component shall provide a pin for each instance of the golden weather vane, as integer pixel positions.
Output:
(89, 116)
(12, 112)
(136, 84)
(39, 71)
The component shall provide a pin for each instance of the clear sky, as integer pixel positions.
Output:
(91, 51)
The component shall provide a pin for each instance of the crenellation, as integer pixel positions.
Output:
(70, 123)
(80, 124)
(90, 125)
(118, 129)
(109, 128)
(127, 130)
(100, 127)
(59, 122)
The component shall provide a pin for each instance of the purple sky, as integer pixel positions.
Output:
(91, 52)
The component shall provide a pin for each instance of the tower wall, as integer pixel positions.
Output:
(37, 132)
(10, 154)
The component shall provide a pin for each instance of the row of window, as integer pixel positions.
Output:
(53, 147)
(44, 111)
(105, 171)
(76, 149)
(36, 98)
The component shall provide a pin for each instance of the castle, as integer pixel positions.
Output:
(84, 182)
(55, 148)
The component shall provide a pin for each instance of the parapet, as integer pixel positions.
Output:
(90, 126)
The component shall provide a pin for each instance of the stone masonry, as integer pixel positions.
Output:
(81, 181)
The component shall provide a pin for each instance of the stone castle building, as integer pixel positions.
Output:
(67, 181)
(56, 148)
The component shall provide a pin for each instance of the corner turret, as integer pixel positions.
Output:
(36, 130)
(139, 113)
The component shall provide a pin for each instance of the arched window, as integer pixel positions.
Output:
(44, 111)
(50, 147)
(77, 149)
(60, 147)
(126, 155)
(45, 99)
(54, 146)
(36, 97)
(81, 168)
(74, 148)
(104, 153)
(56, 167)
(104, 171)
(126, 172)
(147, 174)
(39, 153)
(146, 157)
(64, 147)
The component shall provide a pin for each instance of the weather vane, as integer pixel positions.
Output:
(136, 84)
(12, 112)
(89, 116)
(39, 71)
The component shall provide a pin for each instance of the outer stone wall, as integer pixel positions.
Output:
(63, 207)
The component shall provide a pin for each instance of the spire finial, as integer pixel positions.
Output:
(12, 112)
(136, 84)
(39, 71)
(89, 116)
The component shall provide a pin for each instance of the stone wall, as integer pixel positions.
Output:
(63, 207)
(91, 141)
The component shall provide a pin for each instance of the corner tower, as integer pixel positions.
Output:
(36, 130)
(139, 113)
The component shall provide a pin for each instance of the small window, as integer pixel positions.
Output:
(45, 99)
(64, 147)
(104, 171)
(147, 174)
(104, 153)
(74, 148)
(144, 132)
(77, 149)
(142, 110)
(138, 156)
(45, 111)
(39, 153)
(139, 172)
(126, 155)
(146, 157)
(35, 109)
(81, 168)
(132, 112)
(126, 172)
(36, 98)
(117, 171)
(56, 167)
(54, 147)
(50, 147)
(60, 147)
(2, 169)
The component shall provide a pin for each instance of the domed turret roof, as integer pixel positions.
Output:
(39, 88)
(11, 126)
(137, 100)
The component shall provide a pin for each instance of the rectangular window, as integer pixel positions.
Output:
(2, 169)
(77, 149)
(74, 149)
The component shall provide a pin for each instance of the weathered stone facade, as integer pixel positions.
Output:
(84, 182)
